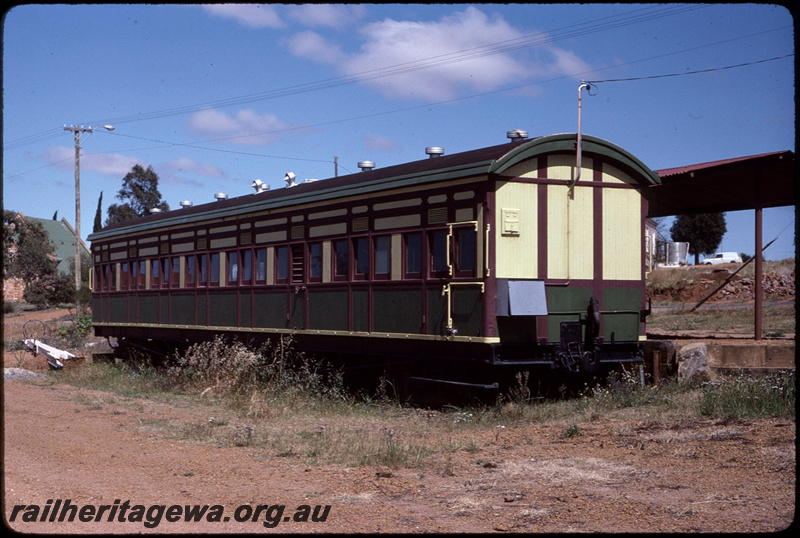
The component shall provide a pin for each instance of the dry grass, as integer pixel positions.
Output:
(778, 319)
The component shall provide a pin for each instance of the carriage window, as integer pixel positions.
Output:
(413, 254)
(124, 278)
(361, 248)
(106, 277)
(261, 264)
(189, 271)
(315, 255)
(133, 280)
(282, 261)
(233, 268)
(247, 266)
(175, 277)
(340, 249)
(155, 278)
(202, 261)
(383, 255)
(215, 268)
(465, 250)
(438, 246)
(142, 274)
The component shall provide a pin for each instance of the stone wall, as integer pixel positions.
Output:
(12, 290)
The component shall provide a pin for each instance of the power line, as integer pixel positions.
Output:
(427, 105)
(531, 40)
(710, 70)
(503, 46)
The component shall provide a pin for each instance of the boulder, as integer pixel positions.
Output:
(692, 362)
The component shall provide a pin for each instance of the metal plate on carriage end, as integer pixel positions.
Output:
(521, 297)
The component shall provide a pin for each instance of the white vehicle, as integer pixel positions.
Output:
(723, 257)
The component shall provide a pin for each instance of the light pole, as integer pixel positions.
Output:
(78, 132)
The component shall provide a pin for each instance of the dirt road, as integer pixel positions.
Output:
(614, 476)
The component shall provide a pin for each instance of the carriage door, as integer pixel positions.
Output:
(463, 290)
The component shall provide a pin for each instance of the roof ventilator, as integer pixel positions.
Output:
(259, 186)
(366, 165)
(434, 151)
(289, 179)
(220, 196)
(517, 135)
(186, 204)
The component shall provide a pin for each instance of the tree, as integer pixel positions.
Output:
(703, 232)
(27, 251)
(98, 216)
(139, 194)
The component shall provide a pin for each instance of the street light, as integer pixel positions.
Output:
(78, 132)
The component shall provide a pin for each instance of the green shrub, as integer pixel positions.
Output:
(50, 290)
(72, 336)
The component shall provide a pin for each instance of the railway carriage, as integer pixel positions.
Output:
(454, 269)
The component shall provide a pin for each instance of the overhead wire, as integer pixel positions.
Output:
(571, 31)
(710, 70)
(531, 40)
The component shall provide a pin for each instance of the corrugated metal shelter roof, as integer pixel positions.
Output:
(751, 182)
(754, 182)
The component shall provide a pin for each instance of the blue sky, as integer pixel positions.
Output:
(213, 97)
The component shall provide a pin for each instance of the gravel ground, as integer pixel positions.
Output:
(612, 476)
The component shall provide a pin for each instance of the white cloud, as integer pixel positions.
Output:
(252, 15)
(247, 127)
(312, 46)
(108, 164)
(328, 15)
(185, 164)
(428, 57)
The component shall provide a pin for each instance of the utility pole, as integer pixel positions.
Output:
(78, 131)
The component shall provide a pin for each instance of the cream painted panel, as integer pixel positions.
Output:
(270, 266)
(326, 261)
(526, 169)
(557, 198)
(397, 256)
(271, 236)
(403, 221)
(560, 166)
(517, 256)
(563, 167)
(615, 175)
(570, 232)
(622, 234)
(327, 229)
(581, 233)
(188, 247)
(223, 242)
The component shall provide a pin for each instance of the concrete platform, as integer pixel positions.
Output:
(723, 355)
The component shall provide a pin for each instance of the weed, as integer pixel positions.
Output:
(749, 396)
(284, 404)
(571, 431)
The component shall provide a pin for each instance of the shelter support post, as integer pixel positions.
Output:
(758, 281)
